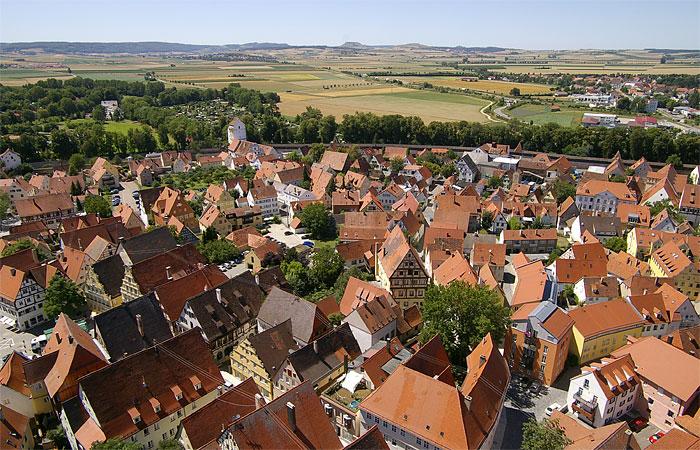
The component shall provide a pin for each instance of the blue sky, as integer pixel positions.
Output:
(562, 24)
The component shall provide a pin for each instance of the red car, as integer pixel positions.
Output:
(655, 437)
(638, 423)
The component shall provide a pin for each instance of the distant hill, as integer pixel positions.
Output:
(103, 47)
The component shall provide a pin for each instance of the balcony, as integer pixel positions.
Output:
(530, 344)
(584, 415)
(588, 405)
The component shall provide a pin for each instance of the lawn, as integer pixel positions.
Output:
(123, 126)
(498, 87)
(537, 115)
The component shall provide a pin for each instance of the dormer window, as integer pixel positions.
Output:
(196, 383)
(177, 392)
(135, 415)
(155, 404)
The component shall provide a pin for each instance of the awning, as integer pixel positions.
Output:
(352, 379)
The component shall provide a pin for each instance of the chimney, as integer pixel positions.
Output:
(291, 417)
(167, 273)
(315, 344)
(2, 416)
(258, 401)
(70, 339)
(218, 295)
(345, 363)
(13, 271)
(669, 338)
(139, 324)
(482, 360)
(468, 403)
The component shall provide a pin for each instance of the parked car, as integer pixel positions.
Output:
(116, 201)
(308, 244)
(535, 387)
(114, 191)
(305, 236)
(551, 408)
(288, 233)
(130, 179)
(655, 437)
(638, 423)
(135, 194)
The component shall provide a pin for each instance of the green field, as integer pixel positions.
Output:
(123, 126)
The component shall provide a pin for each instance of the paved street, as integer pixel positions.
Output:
(277, 232)
(127, 196)
(20, 341)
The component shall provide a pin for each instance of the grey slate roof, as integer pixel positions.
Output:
(119, 330)
(272, 345)
(319, 358)
(239, 304)
(110, 272)
(149, 244)
(280, 306)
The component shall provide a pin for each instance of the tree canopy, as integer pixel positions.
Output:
(4, 204)
(18, 246)
(316, 219)
(545, 435)
(462, 315)
(218, 251)
(327, 265)
(62, 296)
(616, 244)
(116, 443)
(96, 204)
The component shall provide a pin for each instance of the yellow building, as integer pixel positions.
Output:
(260, 356)
(670, 261)
(254, 258)
(103, 282)
(603, 327)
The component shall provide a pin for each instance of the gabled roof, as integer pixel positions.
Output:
(358, 292)
(273, 345)
(177, 366)
(594, 187)
(176, 263)
(623, 265)
(653, 358)
(268, 427)
(335, 160)
(307, 319)
(376, 366)
(686, 339)
(43, 204)
(110, 273)
(394, 250)
(570, 271)
(435, 410)
(132, 326)
(371, 440)
(651, 307)
(223, 310)
(12, 374)
(13, 428)
(671, 259)
(605, 317)
(608, 436)
(202, 426)
(375, 314)
(173, 295)
(327, 353)
(455, 268)
(533, 284)
(76, 350)
(149, 244)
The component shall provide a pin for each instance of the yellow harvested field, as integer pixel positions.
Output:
(239, 67)
(298, 77)
(499, 87)
(385, 104)
(358, 92)
(291, 97)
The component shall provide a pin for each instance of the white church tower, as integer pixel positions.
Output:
(236, 130)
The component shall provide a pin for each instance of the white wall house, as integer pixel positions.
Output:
(25, 310)
(236, 130)
(604, 392)
(10, 160)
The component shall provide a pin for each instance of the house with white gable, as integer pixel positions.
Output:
(289, 193)
(236, 130)
(604, 391)
(10, 160)
(467, 169)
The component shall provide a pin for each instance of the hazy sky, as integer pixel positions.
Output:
(561, 24)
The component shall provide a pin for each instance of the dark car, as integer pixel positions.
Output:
(288, 233)
(637, 423)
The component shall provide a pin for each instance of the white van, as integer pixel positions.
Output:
(38, 343)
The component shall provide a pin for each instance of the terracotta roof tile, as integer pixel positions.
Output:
(605, 317)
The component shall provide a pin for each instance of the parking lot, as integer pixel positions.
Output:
(18, 340)
(277, 231)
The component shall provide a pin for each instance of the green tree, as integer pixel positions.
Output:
(618, 179)
(170, 444)
(98, 205)
(98, 113)
(4, 204)
(624, 104)
(462, 315)
(336, 319)
(616, 244)
(316, 219)
(62, 296)
(537, 223)
(545, 435)
(316, 151)
(495, 182)
(17, 247)
(78, 205)
(397, 165)
(327, 128)
(326, 265)
(298, 277)
(675, 160)
(209, 235)
(487, 220)
(514, 224)
(75, 188)
(115, 443)
(76, 163)
(515, 92)
(342, 282)
(58, 437)
(218, 251)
